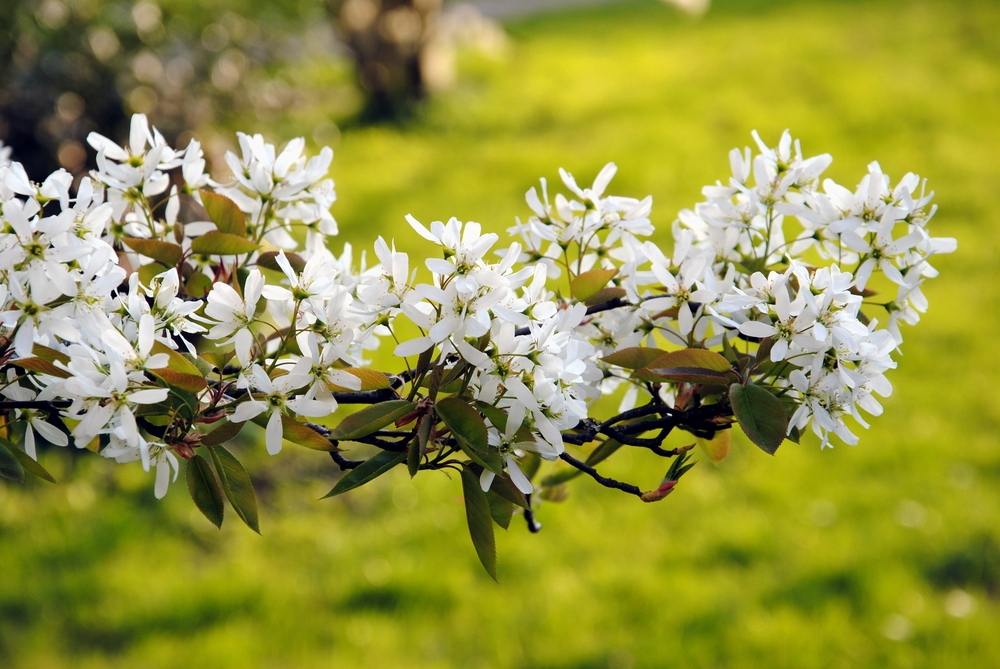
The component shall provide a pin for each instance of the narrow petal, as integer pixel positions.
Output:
(413, 347)
(758, 329)
(273, 437)
(486, 479)
(162, 480)
(517, 476)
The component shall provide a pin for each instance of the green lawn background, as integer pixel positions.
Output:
(850, 557)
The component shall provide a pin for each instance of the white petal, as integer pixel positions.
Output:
(244, 339)
(247, 410)
(758, 329)
(413, 347)
(473, 355)
(29, 443)
(517, 477)
(150, 396)
(162, 479)
(51, 433)
(421, 230)
(273, 437)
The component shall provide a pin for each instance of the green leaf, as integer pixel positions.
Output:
(503, 486)
(222, 244)
(26, 462)
(370, 469)
(588, 284)
(162, 252)
(690, 365)
(298, 433)
(636, 357)
(236, 485)
(222, 434)
(370, 378)
(199, 285)
(202, 365)
(764, 350)
(469, 429)
(418, 446)
(41, 366)
(371, 419)
(760, 414)
(205, 490)
(50, 354)
(684, 375)
(179, 380)
(10, 466)
(500, 508)
(728, 352)
(224, 213)
(179, 372)
(496, 415)
(605, 295)
(268, 261)
(477, 512)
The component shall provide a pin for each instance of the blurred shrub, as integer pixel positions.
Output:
(69, 67)
(390, 41)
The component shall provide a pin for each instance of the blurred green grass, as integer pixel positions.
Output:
(808, 559)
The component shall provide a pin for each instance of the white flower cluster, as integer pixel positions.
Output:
(108, 288)
(527, 356)
(87, 331)
(736, 271)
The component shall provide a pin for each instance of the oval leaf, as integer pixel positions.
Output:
(222, 434)
(370, 469)
(418, 446)
(205, 490)
(301, 434)
(26, 462)
(268, 260)
(690, 365)
(224, 213)
(371, 419)
(199, 285)
(501, 509)
(50, 354)
(504, 487)
(237, 486)
(684, 375)
(370, 380)
(222, 244)
(10, 466)
(588, 284)
(761, 415)
(477, 512)
(163, 252)
(41, 366)
(633, 358)
(179, 372)
(469, 429)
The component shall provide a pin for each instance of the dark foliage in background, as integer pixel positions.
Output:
(70, 67)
